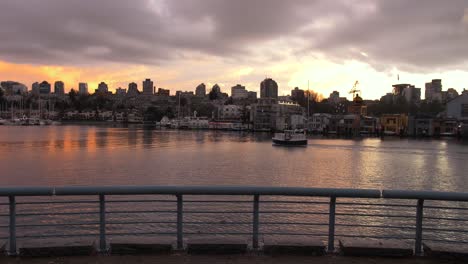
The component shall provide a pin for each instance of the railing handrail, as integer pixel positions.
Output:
(189, 190)
(234, 190)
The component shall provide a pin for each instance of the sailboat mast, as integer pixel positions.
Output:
(308, 103)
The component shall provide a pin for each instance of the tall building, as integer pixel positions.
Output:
(269, 89)
(59, 88)
(44, 88)
(252, 95)
(412, 94)
(83, 88)
(297, 95)
(35, 88)
(133, 89)
(239, 92)
(200, 90)
(434, 90)
(148, 87)
(102, 88)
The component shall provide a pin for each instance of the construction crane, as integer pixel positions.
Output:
(355, 90)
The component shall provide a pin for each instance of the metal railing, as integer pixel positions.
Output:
(255, 213)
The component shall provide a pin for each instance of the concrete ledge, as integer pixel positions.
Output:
(435, 250)
(216, 247)
(50, 248)
(375, 248)
(294, 246)
(134, 245)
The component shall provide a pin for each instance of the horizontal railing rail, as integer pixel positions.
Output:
(263, 211)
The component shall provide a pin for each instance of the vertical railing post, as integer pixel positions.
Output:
(331, 225)
(180, 222)
(419, 227)
(12, 225)
(102, 223)
(256, 221)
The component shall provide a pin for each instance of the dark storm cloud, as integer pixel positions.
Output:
(413, 33)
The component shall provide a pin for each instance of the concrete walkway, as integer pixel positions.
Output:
(188, 259)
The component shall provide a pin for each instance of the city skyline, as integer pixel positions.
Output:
(182, 44)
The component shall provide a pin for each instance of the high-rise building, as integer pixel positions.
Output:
(148, 87)
(200, 90)
(35, 88)
(434, 90)
(132, 89)
(252, 95)
(83, 88)
(239, 92)
(269, 89)
(102, 88)
(59, 88)
(44, 88)
(297, 95)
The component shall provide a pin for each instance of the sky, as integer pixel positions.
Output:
(180, 44)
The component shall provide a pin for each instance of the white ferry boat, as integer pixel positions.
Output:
(290, 138)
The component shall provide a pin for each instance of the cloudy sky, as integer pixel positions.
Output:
(181, 43)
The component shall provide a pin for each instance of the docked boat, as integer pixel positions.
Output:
(290, 138)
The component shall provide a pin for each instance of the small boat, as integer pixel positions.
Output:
(290, 138)
(3, 121)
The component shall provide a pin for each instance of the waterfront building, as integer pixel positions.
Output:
(200, 91)
(102, 88)
(423, 125)
(394, 124)
(132, 89)
(230, 112)
(319, 123)
(148, 87)
(263, 113)
(83, 88)
(239, 92)
(268, 89)
(44, 88)
(458, 108)
(59, 88)
(269, 115)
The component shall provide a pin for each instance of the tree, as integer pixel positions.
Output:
(153, 114)
(213, 95)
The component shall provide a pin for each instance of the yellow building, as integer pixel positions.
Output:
(394, 124)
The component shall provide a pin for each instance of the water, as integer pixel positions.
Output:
(96, 155)
(106, 155)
